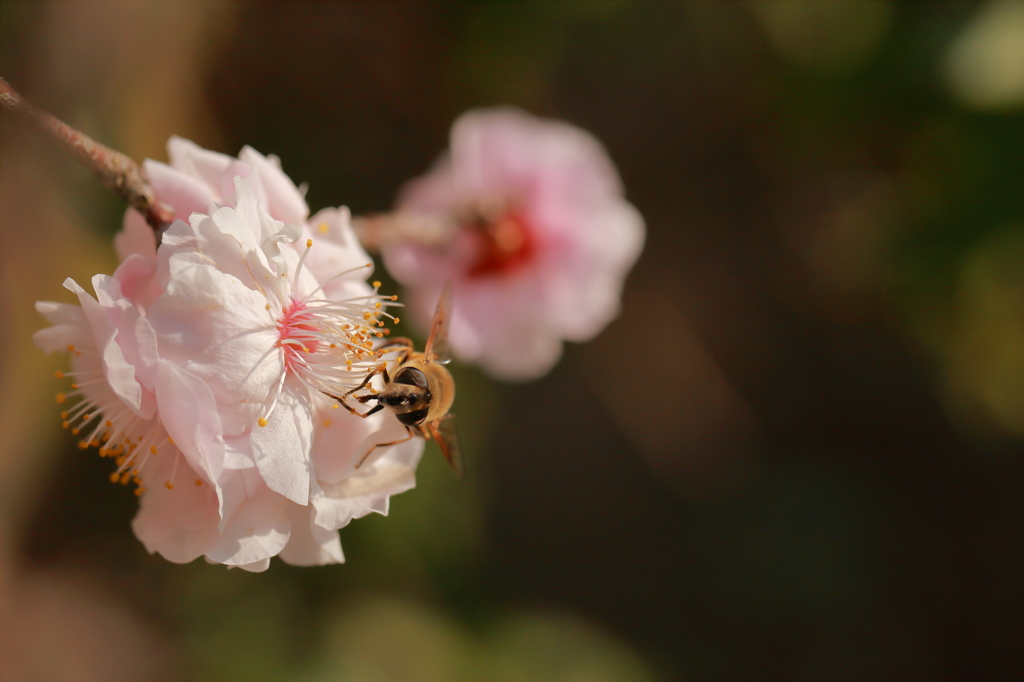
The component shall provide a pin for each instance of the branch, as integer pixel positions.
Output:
(384, 229)
(114, 169)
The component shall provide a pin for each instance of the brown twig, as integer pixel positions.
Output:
(384, 229)
(114, 169)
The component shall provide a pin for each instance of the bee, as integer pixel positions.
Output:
(422, 390)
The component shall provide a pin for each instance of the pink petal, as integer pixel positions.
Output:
(136, 236)
(179, 190)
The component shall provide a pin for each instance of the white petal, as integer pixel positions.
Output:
(369, 490)
(70, 327)
(258, 530)
(281, 448)
(284, 201)
(336, 250)
(309, 544)
(220, 331)
(189, 413)
(179, 523)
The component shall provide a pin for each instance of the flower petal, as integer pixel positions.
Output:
(310, 544)
(180, 523)
(281, 448)
(284, 201)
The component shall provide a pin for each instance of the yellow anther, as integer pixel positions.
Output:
(377, 305)
(262, 422)
(152, 449)
(170, 440)
(394, 297)
(74, 386)
(323, 228)
(309, 243)
(268, 306)
(61, 398)
(59, 374)
(397, 320)
(139, 491)
(335, 406)
(114, 476)
(366, 316)
(71, 348)
(369, 265)
(376, 284)
(86, 417)
(75, 431)
(199, 482)
(109, 424)
(170, 486)
(82, 445)
(65, 424)
(327, 422)
(95, 443)
(333, 346)
(125, 477)
(63, 415)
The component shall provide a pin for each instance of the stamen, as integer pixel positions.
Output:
(302, 259)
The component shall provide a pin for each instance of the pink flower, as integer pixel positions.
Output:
(200, 368)
(543, 240)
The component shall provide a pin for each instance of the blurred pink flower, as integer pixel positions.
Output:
(543, 242)
(200, 371)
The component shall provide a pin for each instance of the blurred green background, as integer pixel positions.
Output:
(796, 455)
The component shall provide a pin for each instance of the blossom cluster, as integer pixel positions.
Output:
(209, 364)
(202, 367)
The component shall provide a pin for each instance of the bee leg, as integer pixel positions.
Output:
(384, 445)
(369, 375)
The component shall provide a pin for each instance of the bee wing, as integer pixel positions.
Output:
(443, 431)
(437, 343)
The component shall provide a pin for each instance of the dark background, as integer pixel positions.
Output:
(795, 456)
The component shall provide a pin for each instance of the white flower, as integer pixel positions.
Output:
(202, 371)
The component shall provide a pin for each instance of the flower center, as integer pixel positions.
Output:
(505, 244)
(297, 333)
(328, 344)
